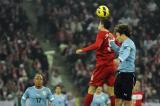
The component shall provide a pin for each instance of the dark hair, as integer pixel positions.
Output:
(123, 29)
(106, 23)
(39, 73)
(59, 85)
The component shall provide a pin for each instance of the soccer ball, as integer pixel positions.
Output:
(103, 12)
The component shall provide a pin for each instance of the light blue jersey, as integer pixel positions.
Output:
(37, 97)
(100, 100)
(126, 54)
(60, 100)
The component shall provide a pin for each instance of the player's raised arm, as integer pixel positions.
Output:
(24, 98)
(112, 44)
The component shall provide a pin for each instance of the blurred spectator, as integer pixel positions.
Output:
(55, 78)
(71, 99)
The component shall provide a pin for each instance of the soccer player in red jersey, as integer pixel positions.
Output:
(104, 71)
(137, 95)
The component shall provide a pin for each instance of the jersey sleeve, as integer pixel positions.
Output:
(96, 44)
(125, 53)
(66, 101)
(50, 96)
(114, 46)
(108, 101)
(24, 97)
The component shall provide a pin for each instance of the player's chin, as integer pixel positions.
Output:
(39, 85)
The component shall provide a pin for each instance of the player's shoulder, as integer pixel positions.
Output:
(46, 88)
(61, 95)
(103, 32)
(128, 42)
(104, 94)
(30, 88)
(64, 96)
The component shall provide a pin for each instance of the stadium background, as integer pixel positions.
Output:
(42, 35)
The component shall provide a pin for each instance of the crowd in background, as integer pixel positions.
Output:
(71, 24)
(21, 55)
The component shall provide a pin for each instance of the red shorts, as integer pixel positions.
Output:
(103, 74)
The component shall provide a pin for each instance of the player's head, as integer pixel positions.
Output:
(58, 89)
(38, 80)
(99, 90)
(122, 31)
(106, 23)
(137, 86)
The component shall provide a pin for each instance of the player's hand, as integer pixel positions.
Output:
(78, 51)
(111, 37)
(116, 62)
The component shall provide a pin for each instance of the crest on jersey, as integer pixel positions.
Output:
(103, 98)
(44, 93)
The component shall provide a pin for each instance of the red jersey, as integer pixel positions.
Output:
(104, 54)
(137, 98)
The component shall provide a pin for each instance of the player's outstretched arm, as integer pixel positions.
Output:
(24, 98)
(93, 46)
(78, 51)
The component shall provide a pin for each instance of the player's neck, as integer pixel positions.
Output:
(98, 93)
(38, 87)
(58, 93)
(104, 29)
(124, 38)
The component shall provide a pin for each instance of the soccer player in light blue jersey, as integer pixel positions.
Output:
(125, 78)
(100, 98)
(38, 95)
(59, 98)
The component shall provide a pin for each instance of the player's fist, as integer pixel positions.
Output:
(78, 51)
(116, 62)
(111, 37)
